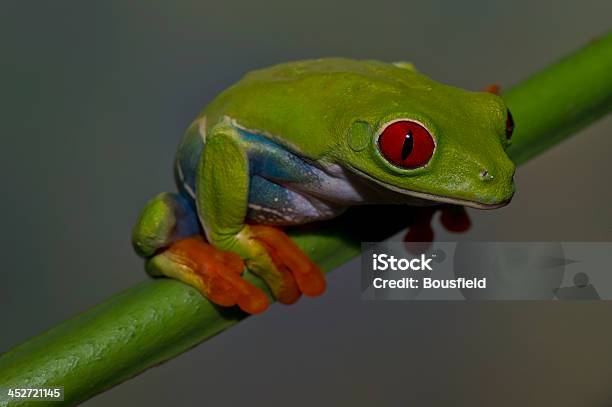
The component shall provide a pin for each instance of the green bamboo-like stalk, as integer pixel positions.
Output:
(158, 319)
(560, 100)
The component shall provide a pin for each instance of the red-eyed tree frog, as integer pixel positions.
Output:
(300, 142)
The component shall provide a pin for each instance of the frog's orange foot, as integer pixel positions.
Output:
(298, 273)
(454, 218)
(216, 273)
(420, 234)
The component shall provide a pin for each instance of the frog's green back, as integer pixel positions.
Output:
(306, 104)
(332, 111)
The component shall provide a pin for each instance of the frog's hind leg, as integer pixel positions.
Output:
(169, 237)
(229, 162)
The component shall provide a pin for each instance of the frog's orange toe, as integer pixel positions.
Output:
(286, 255)
(218, 275)
(289, 293)
(454, 218)
(226, 290)
(493, 88)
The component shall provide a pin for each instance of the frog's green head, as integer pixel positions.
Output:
(434, 142)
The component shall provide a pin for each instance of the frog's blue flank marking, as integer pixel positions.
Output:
(284, 188)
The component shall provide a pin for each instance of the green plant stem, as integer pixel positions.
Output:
(561, 99)
(159, 319)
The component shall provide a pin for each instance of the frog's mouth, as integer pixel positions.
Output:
(425, 196)
(449, 200)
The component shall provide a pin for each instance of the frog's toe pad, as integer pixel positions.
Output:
(286, 255)
(216, 273)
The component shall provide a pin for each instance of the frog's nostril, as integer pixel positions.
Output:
(485, 176)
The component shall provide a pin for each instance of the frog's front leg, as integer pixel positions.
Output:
(169, 237)
(222, 193)
(165, 219)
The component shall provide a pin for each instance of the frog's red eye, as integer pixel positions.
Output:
(406, 144)
(509, 125)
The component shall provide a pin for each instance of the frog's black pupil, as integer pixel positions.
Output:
(407, 146)
(509, 125)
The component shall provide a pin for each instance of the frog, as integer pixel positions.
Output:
(301, 142)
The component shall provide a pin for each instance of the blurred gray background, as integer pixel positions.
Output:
(94, 97)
